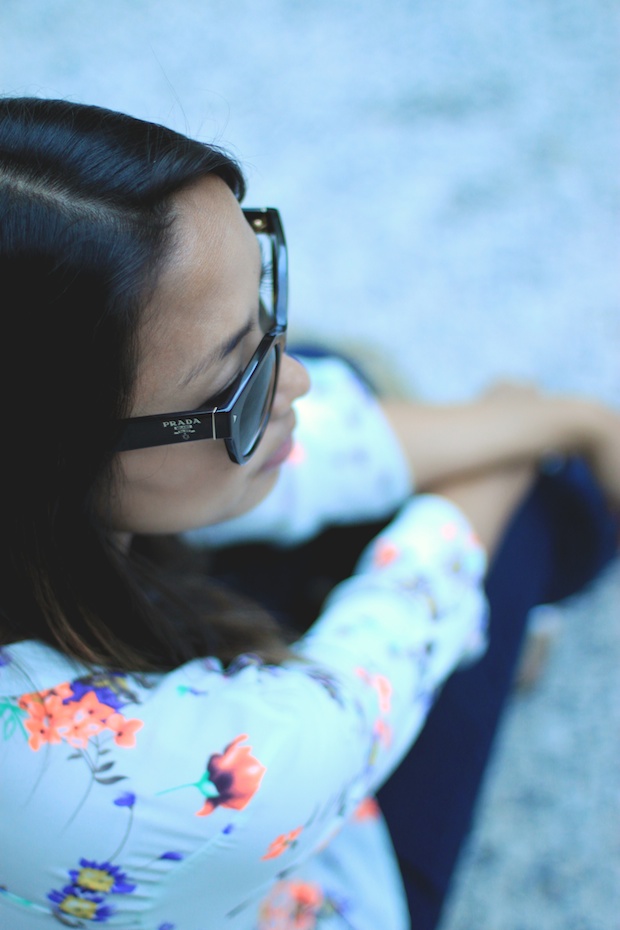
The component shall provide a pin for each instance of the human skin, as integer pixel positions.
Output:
(483, 455)
(207, 293)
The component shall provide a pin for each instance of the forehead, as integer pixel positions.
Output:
(213, 244)
(208, 287)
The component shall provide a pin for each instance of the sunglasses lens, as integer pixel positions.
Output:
(257, 406)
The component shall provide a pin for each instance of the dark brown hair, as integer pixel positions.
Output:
(85, 222)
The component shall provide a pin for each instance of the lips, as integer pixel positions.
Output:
(280, 455)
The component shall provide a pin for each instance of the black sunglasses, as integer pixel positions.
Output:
(240, 415)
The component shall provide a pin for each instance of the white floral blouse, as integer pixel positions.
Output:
(242, 798)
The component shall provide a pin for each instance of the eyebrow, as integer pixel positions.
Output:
(218, 354)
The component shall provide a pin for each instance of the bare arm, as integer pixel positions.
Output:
(507, 426)
(483, 455)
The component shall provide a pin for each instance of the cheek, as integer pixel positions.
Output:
(177, 488)
(183, 469)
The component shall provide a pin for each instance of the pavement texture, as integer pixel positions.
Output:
(447, 173)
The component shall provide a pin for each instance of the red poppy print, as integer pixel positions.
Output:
(368, 809)
(292, 904)
(235, 775)
(298, 905)
(381, 685)
(282, 843)
(385, 553)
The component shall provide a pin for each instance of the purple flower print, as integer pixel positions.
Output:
(104, 877)
(111, 688)
(84, 908)
(85, 897)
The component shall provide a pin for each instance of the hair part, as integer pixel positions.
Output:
(86, 220)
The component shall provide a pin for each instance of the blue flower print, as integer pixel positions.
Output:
(104, 877)
(111, 689)
(85, 908)
(86, 896)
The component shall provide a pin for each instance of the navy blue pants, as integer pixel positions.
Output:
(557, 542)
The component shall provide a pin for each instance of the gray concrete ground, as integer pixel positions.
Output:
(545, 851)
(447, 171)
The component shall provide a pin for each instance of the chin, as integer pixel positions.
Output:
(254, 492)
(262, 484)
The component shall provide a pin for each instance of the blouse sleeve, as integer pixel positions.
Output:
(292, 751)
(346, 466)
(205, 784)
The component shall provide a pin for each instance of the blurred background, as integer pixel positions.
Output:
(447, 173)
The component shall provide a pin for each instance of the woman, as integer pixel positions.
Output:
(171, 758)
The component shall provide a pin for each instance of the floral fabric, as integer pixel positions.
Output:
(240, 798)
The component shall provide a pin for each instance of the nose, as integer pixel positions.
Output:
(293, 382)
